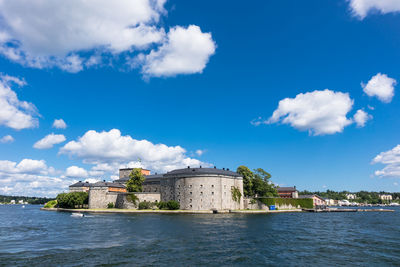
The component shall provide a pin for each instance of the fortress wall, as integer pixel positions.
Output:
(204, 192)
(99, 197)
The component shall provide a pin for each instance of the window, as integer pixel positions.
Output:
(190, 200)
(201, 193)
(212, 193)
(190, 193)
(201, 186)
(212, 186)
(190, 186)
(190, 206)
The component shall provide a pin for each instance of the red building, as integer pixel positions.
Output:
(287, 192)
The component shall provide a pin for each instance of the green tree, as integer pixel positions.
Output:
(262, 186)
(248, 176)
(135, 182)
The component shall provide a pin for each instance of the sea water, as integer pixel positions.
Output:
(31, 237)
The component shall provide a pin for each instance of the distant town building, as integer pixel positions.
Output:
(317, 200)
(330, 202)
(386, 197)
(12, 201)
(20, 201)
(288, 192)
(351, 196)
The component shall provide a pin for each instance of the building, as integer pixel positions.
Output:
(79, 187)
(385, 197)
(288, 192)
(194, 189)
(351, 196)
(317, 200)
(330, 202)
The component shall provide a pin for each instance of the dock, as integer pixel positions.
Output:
(347, 210)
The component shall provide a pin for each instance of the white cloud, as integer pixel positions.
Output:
(391, 159)
(14, 113)
(200, 152)
(59, 124)
(380, 86)
(106, 149)
(361, 8)
(319, 112)
(186, 51)
(76, 172)
(77, 34)
(361, 117)
(7, 139)
(49, 141)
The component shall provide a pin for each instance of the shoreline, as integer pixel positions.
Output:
(133, 211)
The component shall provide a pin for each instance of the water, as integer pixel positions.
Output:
(30, 237)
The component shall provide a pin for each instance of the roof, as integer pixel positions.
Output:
(200, 171)
(311, 196)
(107, 184)
(125, 169)
(80, 184)
(286, 189)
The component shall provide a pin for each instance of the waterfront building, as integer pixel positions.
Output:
(386, 197)
(317, 200)
(351, 196)
(288, 192)
(79, 187)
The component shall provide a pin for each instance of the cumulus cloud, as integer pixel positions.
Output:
(200, 152)
(77, 34)
(7, 139)
(362, 8)
(106, 149)
(14, 113)
(319, 112)
(391, 159)
(361, 117)
(380, 86)
(49, 141)
(186, 51)
(76, 172)
(59, 124)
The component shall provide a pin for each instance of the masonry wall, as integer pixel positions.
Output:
(151, 187)
(99, 197)
(202, 192)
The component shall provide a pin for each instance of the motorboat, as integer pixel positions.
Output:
(76, 214)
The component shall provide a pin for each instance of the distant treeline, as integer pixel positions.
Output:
(362, 196)
(30, 200)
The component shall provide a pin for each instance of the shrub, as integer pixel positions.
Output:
(51, 204)
(110, 205)
(169, 205)
(236, 194)
(306, 203)
(145, 205)
(132, 198)
(253, 201)
(72, 200)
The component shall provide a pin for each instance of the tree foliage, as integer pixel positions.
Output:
(236, 194)
(72, 200)
(257, 182)
(135, 182)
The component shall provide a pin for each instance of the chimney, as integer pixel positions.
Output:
(200, 166)
(188, 167)
(215, 167)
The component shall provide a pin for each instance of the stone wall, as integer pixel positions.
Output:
(124, 201)
(99, 197)
(151, 187)
(261, 206)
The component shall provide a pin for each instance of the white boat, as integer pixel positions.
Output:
(23, 206)
(76, 214)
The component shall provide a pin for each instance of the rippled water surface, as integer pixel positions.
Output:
(30, 237)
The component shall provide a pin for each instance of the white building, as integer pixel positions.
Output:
(386, 197)
(351, 196)
(12, 201)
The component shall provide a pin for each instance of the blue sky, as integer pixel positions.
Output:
(270, 84)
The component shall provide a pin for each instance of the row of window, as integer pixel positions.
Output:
(201, 186)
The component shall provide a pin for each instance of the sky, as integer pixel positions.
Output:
(307, 90)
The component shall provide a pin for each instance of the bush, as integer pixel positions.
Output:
(146, 205)
(169, 205)
(72, 200)
(306, 203)
(51, 204)
(110, 205)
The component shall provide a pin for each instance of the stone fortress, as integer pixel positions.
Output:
(194, 189)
